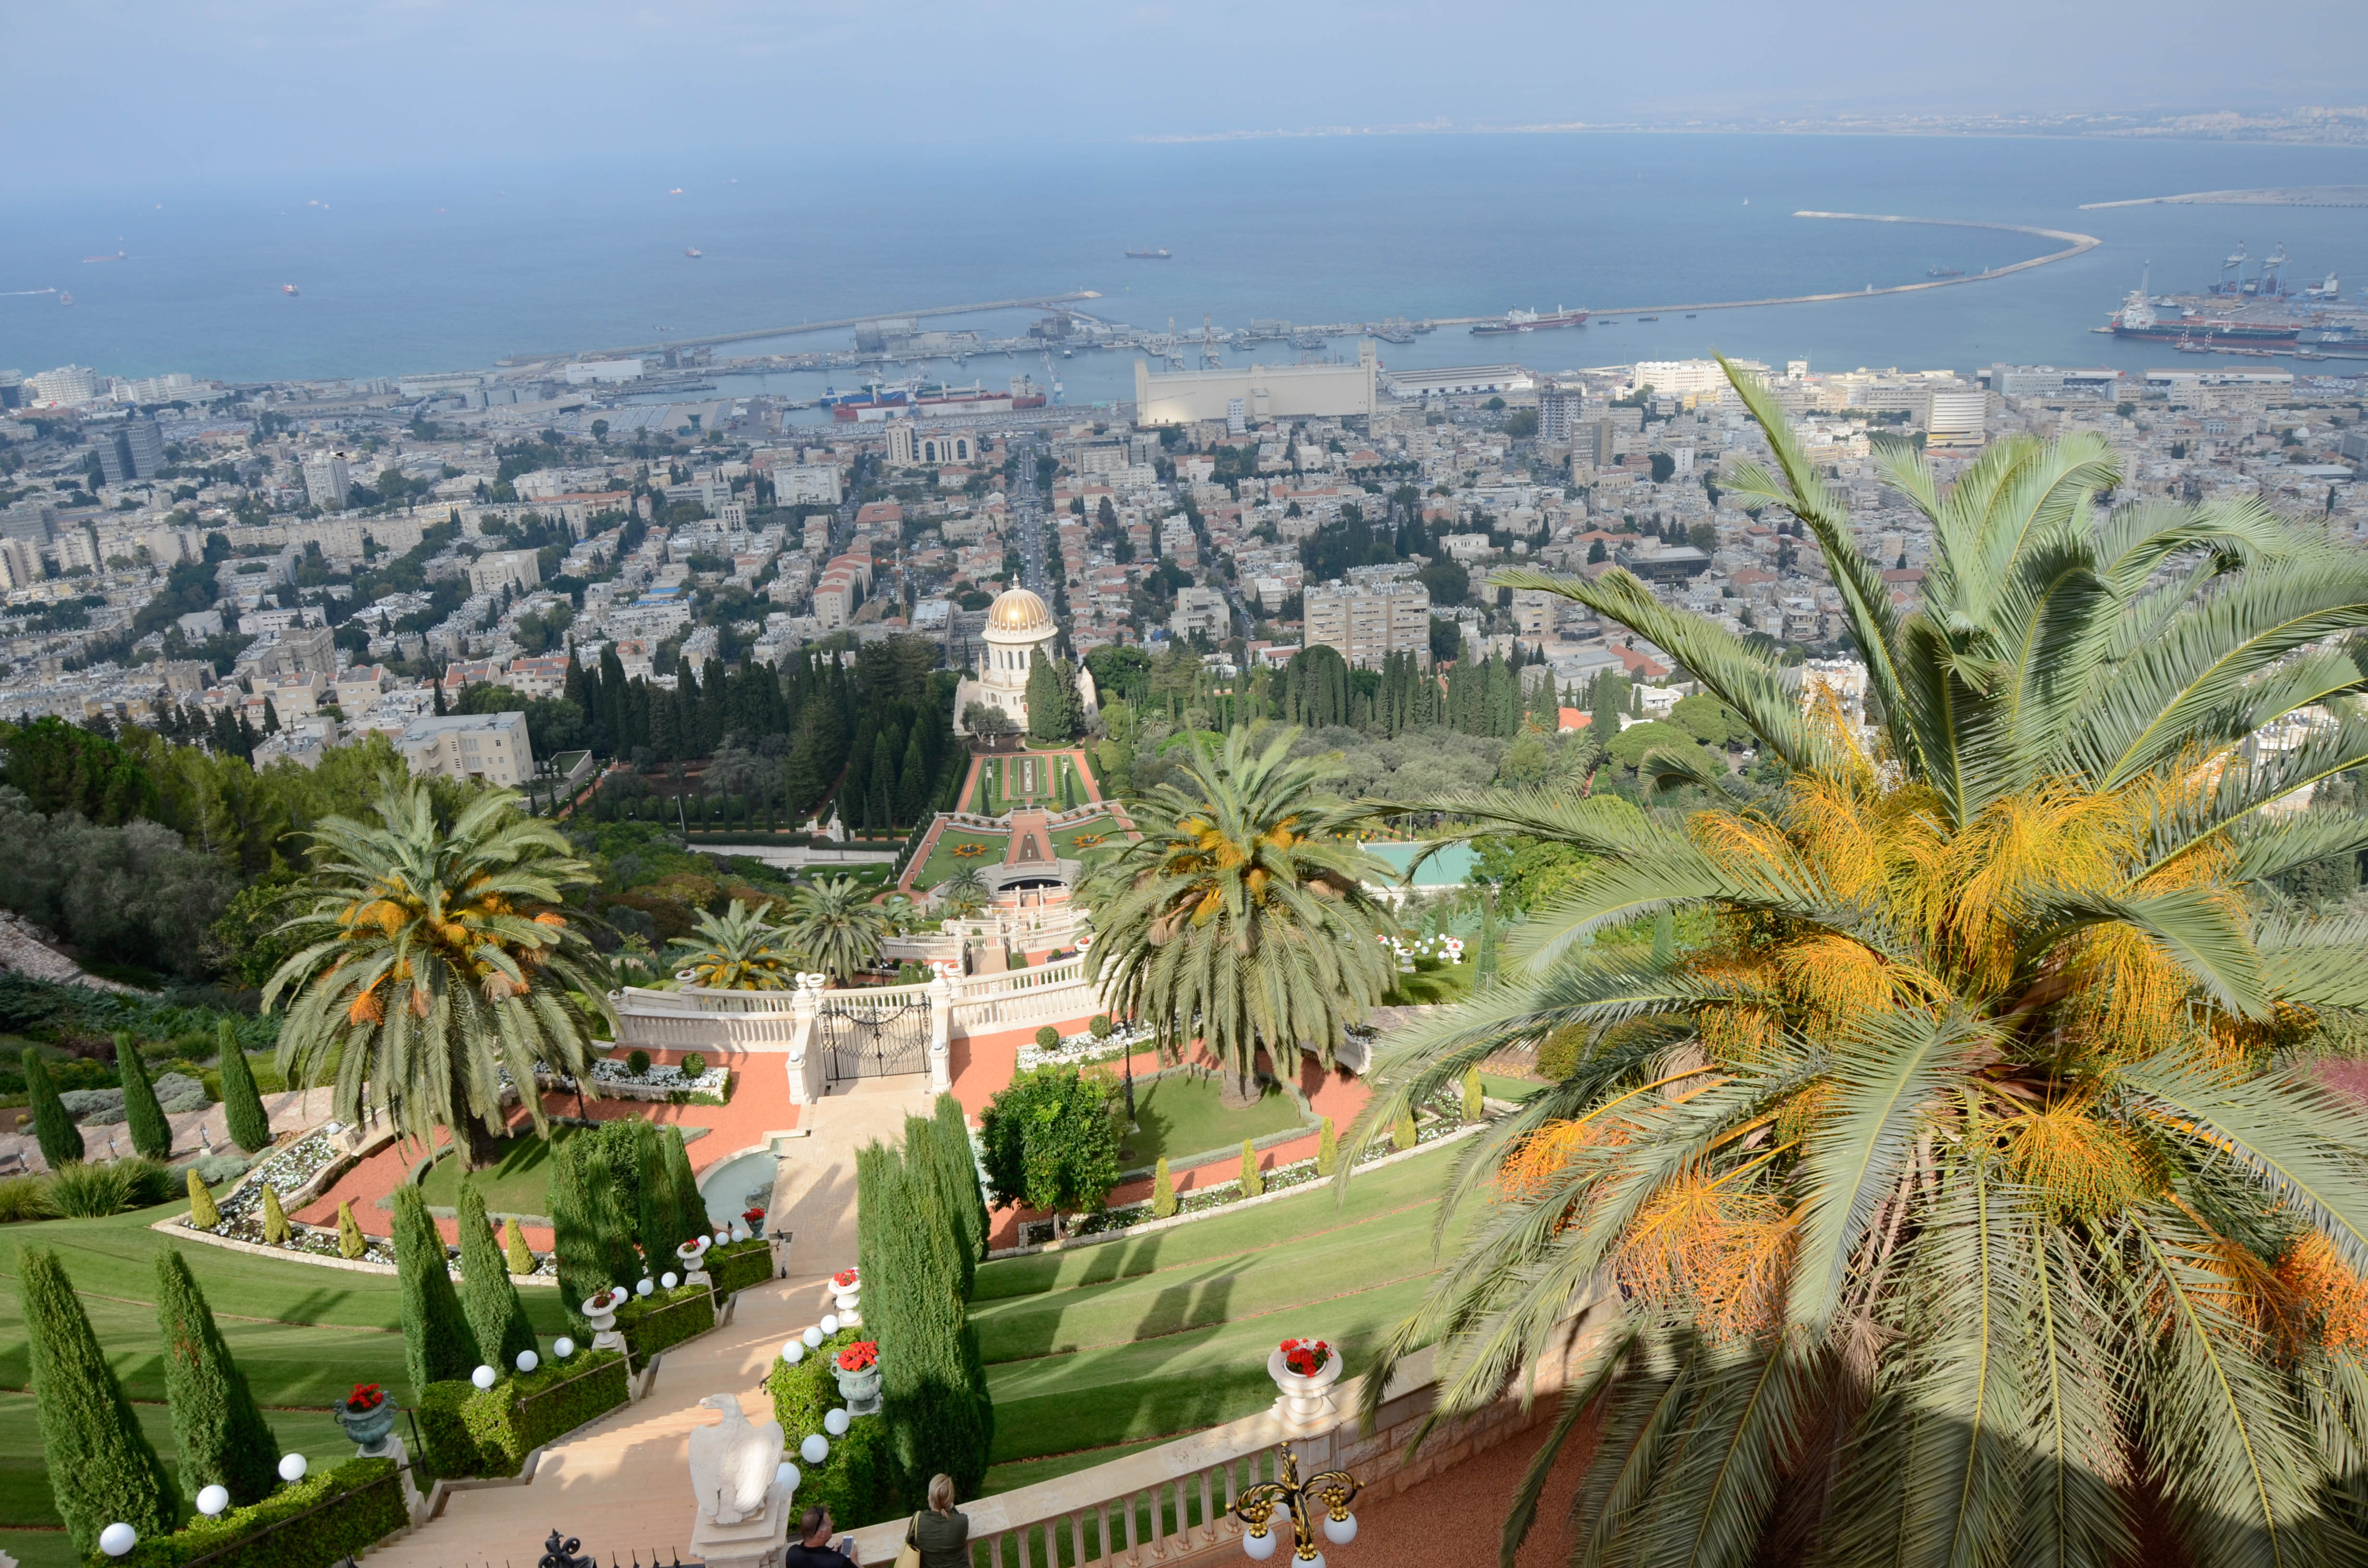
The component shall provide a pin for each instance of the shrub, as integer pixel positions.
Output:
(470, 1431)
(582, 1223)
(219, 1434)
(1048, 1038)
(637, 1061)
(25, 1197)
(275, 1217)
(202, 1212)
(93, 1108)
(149, 1183)
(1402, 1131)
(693, 1064)
(90, 1192)
(1100, 1027)
(932, 1387)
(351, 1243)
(739, 1264)
(691, 1209)
(1163, 1190)
(216, 1169)
(243, 1111)
(1558, 1053)
(1253, 1181)
(953, 1148)
(515, 1254)
(496, 1316)
(858, 1482)
(437, 1342)
(152, 1135)
(652, 1322)
(53, 1128)
(101, 1466)
(1051, 1142)
(1327, 1149)
(345, 1511)
(178, 1093)
(1474, 1097)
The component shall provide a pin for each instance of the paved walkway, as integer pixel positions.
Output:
(623, 1483)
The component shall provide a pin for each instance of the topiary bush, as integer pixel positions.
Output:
(351, 1243)
(1048, 1038)
(637, 1061)
(738, 1264)
(858, 1482)
(1253, 1180)
(693, 1064)
(1558, 1052)
(1163, 1192)
(203, 1215)
(470, 1432)
(1327, 1149)
(652, 1322)
(344, 1512)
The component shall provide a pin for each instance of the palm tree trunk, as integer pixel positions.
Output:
(480, 1145)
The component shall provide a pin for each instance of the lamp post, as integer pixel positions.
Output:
(1332, 1490)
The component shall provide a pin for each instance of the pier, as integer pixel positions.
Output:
(1037, 301)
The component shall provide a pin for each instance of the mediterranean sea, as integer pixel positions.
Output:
(420, 275)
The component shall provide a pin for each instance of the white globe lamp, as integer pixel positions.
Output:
(528, 1360)
(212, 1500)
(645, 1287)
(814, 1449)
(118, 1538)
(786, 1471)
(835, 1422)
(812, 1337)
(795, 1351)
(668, 1280)
(1341, 1532)
(292, 1467)
(483, 1377)
(829, 1325)
(562, 1347)
(1258, 1548)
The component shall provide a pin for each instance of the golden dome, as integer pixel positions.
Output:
(1017, 610)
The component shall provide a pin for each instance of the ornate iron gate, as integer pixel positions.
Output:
(877, 1039)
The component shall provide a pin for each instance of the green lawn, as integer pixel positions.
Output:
(303, 1334)
(1103, 831)
(943, 862)
(519, 1182)
(1516, 1089)
(1179, 1113)
(1139, 1339)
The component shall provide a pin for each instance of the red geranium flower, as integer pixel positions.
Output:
(1306, 1358)
(753, 1215)
(861, 1356)
(843, 1279)
(366, 1396)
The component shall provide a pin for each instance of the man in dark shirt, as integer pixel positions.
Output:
(814, 1549)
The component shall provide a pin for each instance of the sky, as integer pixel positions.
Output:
(138, 94)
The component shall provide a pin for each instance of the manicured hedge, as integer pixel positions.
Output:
(470, 1431)
(738, 1264)
(340, 1512)
(858, 1482)
(652, 1322)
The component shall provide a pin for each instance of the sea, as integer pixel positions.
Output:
(417, 274)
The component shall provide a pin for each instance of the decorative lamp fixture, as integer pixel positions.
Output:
(292, 1467)
(1332, 1491)
(562, 1347)
(835, 1421)
(528, 1360)
(212, 1500)
(795, 1351)
(814, 1449)
(644, 1286)
(484, 1377)
(812, 1337)
(668, 1280)
(829, 1325)
(118, 1538)
(787, 1472)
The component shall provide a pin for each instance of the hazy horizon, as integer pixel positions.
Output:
(114, 95)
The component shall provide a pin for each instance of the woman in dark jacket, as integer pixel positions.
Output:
(941, 1530)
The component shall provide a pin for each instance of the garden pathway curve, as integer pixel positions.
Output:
(623, 1482)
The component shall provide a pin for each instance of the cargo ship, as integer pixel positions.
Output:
(912, 399)
(1159, 254)
(1530, 320)
(2138, 318)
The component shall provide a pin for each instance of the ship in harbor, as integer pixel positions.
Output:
(2139, 319)
(1945, 272)
(1530, 320)
(898, 400)
(1159, 255)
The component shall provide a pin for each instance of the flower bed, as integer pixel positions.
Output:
(857, 1482)
(308, 1524)
(615, 1078)
(1200, 1199)
(735, 1266)
(652, 1322)
(470, 1432)
(1077, 1050)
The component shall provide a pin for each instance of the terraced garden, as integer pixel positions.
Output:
(1094, 1352)
(303, 1335)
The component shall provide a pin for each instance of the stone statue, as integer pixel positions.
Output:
(733, 1464)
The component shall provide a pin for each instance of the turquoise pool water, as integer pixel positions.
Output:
(739, 1184)
(1447, 869)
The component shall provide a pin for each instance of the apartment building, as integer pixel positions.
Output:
(1366, 622)
(488, 747)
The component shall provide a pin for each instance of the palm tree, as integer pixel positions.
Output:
(435, 959)
(835, 925)
(1241, 915)
(738, 950)
(963, 892)
(1963, 1195)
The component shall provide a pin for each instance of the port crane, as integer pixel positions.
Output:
(1208, 360)
(2269, 281)
(2231, 266)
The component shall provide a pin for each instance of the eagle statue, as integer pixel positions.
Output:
(732, 1462)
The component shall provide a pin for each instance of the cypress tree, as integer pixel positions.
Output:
(243, 1111)
(690, 1209)
(437, 1346)
(1403, 1134)
(1473, 1096)
(932, 1385)
(496, 1317)
(275, 1217)
(220, 1435)
(1163, 1190)
(1327, 1149)
(515, 1252)
(657, 1218)
(202, 1212)
(576, 1232)
(102, 1466)
(351, 1243)
(954, 1148)
(152, 1135)
(1483, 964)
(1253, 1182)
(53, 1126)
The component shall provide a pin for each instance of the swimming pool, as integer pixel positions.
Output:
(1448, 869)
(739, 1184)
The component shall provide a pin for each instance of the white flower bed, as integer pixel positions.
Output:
(614, 1077)
(1076, 1050)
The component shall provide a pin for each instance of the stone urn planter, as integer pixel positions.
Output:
(859, 1385)
(693, 1254)
(367, 1423)
(1306, 1402)
(846, 1295)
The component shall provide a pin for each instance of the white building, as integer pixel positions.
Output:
(491, 572)
(583, 371)
(1264, 391)
(1367, 621)
(810, 483)
(1019, 629)
(64, 386)
(1203, 611)
(1461, 381)
(488, 747)
(327, 480)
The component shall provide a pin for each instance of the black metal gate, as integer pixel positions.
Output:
(877, 1039)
